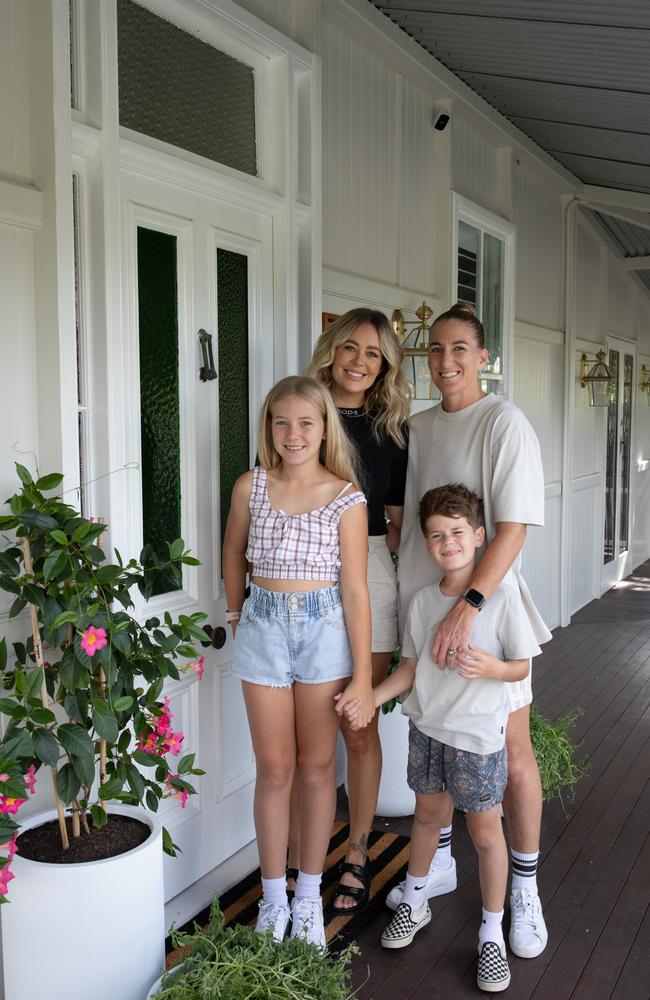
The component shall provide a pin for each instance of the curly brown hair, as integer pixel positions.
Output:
(452, 500)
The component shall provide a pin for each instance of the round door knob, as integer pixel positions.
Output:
(216, 636)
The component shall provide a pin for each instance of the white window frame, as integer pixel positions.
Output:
(493, 225)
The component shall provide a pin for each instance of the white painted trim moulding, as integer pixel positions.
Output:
(542, 334)
(20, 205)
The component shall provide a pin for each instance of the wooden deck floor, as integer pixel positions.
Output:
(595, 863)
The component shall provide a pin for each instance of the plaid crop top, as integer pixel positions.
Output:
(295, 546)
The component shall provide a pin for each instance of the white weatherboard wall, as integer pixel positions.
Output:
(387, 225)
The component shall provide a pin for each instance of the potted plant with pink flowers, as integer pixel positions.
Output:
(84, 707)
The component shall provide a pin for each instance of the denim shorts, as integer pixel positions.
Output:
(476, 782)
(286, 638)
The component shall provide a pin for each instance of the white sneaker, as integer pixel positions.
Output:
(405, 925)
(440, 881)
(307, 921)
(273, 917)
(528, 934)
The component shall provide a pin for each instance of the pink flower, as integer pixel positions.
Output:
(177, 793)
(10, 805)
(9, 848)
(93, 639)
(30, 779)
(174, 743)
(198, 666)
(5, 877)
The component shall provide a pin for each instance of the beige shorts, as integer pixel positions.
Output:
(382, 586)
(520, 693)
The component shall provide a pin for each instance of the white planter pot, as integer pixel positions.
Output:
(93, 930)
(155, 989)
(395, 796)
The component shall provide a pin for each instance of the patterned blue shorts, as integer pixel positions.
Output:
(286, 638)
(476, 782)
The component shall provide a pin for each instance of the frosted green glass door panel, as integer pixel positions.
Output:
(159, 399)
(232, 309)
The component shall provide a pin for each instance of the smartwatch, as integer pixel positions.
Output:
(474, 597)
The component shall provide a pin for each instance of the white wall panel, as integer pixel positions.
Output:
(361, 187)
(416, 194)
(541, 563)
(537, 214)
(588, 431)
(539, 391)
(294, 18)
(585, 527)
(14, 91)
(621, 302)
(591, 286)
(475, 167)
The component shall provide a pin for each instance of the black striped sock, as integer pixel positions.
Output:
(524, 870)
(442, 857)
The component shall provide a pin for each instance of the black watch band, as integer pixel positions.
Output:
(474, 597)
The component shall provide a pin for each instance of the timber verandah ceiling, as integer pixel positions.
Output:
(573, 75)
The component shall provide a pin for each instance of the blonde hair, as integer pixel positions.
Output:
(389, 398)
(337, 453)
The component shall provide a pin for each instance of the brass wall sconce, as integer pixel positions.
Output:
(415, 343)
(644, 385)
(416, 339)
(597, 378)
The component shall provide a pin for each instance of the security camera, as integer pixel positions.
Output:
(441, 122)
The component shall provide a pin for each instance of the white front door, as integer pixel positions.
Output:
(199, 268)
(617, 511)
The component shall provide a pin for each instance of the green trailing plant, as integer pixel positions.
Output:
(556, 754)
(236, 963)
(83, 693)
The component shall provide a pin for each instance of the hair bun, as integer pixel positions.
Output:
(464, 307)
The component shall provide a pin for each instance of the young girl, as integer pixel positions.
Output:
(300, 521)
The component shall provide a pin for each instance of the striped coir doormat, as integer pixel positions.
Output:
(388, 854)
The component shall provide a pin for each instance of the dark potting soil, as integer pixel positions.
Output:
(118, 835)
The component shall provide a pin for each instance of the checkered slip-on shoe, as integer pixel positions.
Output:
(405, 925)
(493, 974)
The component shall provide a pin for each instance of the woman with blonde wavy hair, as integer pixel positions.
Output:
(359, 359)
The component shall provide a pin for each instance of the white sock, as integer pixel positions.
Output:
(524, 870)
(274, 890)
(442, 857)
(491, 929)
(308, 886)
(415, 891)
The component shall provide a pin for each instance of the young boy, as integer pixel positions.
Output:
(458, 714)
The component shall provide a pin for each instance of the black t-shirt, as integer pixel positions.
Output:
(383, 465)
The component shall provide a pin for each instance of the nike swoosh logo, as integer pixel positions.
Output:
(418, 887)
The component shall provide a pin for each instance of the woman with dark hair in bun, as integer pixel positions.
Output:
(487, 444)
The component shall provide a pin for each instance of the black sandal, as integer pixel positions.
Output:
(360, 893)
(292, 873)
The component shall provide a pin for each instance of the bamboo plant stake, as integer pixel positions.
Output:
(38, 655)
(102, 694)
(76, 808)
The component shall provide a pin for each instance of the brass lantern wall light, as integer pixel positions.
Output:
(597, 378)
(415, 343)
(644, 385)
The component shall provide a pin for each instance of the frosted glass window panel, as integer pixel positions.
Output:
(625, 451)
(159, 392)
(492, 305)
(181, 90)
(469, 263)
(232, 353)
(611, 469)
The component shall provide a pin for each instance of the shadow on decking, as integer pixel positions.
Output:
(595, 864)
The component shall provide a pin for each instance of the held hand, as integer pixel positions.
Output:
(453, 634)
(364, 709)
(476, 663)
